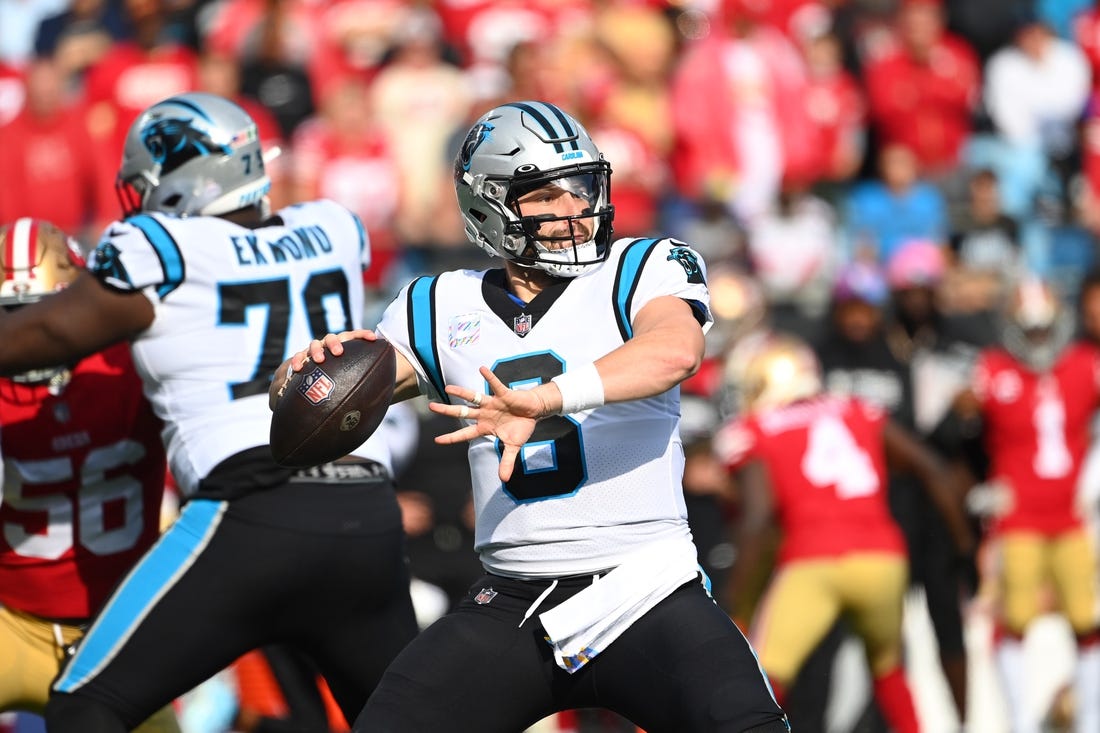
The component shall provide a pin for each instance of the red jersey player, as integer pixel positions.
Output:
(83, 478)
(1035, 397)
(815, 465)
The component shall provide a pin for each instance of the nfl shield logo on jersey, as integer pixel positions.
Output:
(521, 324)
(316, 386)
(484, 596)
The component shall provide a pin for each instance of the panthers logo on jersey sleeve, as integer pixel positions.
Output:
(690, 262)
(138, 253)
(106, 264)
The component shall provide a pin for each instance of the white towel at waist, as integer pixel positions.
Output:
(586, 624)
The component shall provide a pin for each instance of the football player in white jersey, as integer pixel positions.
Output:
(210, 290)
(563, 367)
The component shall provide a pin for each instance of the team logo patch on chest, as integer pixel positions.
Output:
(316, 386)
(464, 330)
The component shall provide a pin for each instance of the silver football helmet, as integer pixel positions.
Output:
(193, 153)
(510, 153)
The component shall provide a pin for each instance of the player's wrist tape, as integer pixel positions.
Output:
(581, 389)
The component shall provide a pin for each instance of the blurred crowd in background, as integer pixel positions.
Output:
(906, 156)
(788, 136)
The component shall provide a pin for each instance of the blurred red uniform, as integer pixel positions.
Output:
(49, 159)
(1036, 396)
(1037, 431)
(924, 99)
(83, 478)
(816, 465)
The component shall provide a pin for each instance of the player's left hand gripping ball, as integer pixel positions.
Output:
(329, 409)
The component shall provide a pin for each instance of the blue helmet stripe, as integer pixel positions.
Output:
(565, 124)
(547, 127)
(189, 105)
(171, 259)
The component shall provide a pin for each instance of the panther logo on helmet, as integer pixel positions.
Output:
(478, 134)
(172, 142)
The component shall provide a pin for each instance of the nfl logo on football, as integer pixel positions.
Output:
(316, 386)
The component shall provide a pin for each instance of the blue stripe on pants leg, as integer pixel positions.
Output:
(152, 577)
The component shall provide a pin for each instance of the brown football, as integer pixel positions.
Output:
(329, 409)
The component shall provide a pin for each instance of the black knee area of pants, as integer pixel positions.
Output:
(80, 714)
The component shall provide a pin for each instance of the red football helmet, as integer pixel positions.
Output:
(37, 259)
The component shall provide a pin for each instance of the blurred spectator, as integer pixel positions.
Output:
(835, 104)
(20, 20)
(1086, 32)
(985, 249)
(137, 73)
(922, 93)
(642, 45)
(987, 25)
(1088, 307)
(485, 31)
(49, 160)
(13, 92)
(641, 176)
(273, 70)
(419, 98)
(354, 38)
(939, 351)
(221, 75)
(1060, 15)
(856, 358)
(343, 154)
(1037, 88)
(133, 75)
(792, 250)
(80, 35)
(884, 213)
(1088, 196)
(738, 113)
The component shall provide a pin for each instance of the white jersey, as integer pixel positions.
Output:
(231, 304)
(588, 488)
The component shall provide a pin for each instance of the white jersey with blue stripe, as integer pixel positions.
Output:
(231, 304)
(589, 488)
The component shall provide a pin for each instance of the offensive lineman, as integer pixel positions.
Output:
(210, 290)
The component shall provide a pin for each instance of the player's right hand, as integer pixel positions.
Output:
(315, 352)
